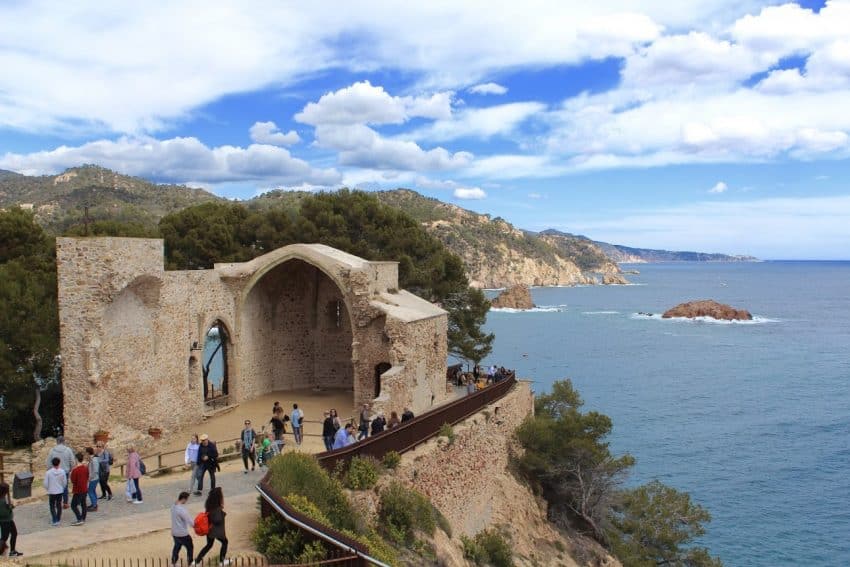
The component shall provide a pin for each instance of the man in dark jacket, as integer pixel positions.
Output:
(207, 462)
(379, 423)
(328, 431)
(407, 415)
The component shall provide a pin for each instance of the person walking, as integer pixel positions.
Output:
(207, 462)
(406, 415)
(181, 522)
(66, 456)
(249, 446)
(134, 473)
(56, 484)
(191, 459)
(79, 490)
(328, 431)
(106, 461)
(214, 507)
(363, 428)
(8, 529)
(297, 421)
(94, 477)
(278, 428)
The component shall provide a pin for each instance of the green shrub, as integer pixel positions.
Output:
(281, 544)
(447, 431)
(443, 522)
(301, 504)
(378, 547)
(392, 459)
(313, 552)
(488, 547)
(403, 511)
(362, 473)
(300, 474)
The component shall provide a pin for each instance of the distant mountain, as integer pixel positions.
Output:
(497, 254)
(59, 201)
(627, 254)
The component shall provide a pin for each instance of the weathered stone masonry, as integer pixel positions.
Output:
(300, 316)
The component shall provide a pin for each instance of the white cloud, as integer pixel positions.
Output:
(483, 123)
(268, 133)
(176, 160)
(469, 193)
(488, 89)
(362, 103)
(137, 67)
(793, 228)
(361, 146)
(719, 187)
(535, 196)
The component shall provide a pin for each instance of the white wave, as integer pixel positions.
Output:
(600, 312)
(756, 320)
(538, 309)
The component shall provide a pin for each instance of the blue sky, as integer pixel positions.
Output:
(715, 125)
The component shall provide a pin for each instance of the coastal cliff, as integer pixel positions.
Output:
(497, 254)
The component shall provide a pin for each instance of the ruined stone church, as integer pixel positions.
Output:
(302, 316)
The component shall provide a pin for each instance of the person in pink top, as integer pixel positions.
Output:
(134, 473)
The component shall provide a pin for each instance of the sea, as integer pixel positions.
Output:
(752, 419)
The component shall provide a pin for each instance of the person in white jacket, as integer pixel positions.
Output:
(66, 456)
(191, 459)
(56, 483)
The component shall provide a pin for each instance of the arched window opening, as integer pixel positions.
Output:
(380, 369)
(214, 365)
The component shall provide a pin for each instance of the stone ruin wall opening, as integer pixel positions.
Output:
(295, 332)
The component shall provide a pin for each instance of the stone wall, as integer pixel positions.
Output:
(131, 334)
(458, 478)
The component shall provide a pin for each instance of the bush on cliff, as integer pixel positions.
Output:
(362, 473)
(404, 511)
(568, 459)
(488, 547)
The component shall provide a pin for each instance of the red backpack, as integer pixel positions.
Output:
(202, 524)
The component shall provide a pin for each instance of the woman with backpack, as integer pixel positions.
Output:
(106, 461)
(214, 508)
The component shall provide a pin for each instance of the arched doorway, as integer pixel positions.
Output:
(214, 362)
(295, 332)
(379, 370)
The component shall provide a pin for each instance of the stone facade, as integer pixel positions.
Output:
(302, 316)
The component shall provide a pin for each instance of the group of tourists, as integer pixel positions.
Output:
(480, 378)
(72, 477)
(336, 436)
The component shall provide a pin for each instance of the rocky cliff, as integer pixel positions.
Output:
(708, 308)
(516, 297)
(497, 254)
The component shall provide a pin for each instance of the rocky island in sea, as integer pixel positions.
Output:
(515, 297)
(708, 308)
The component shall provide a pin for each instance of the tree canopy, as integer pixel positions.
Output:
(568, 458)
(29, 329)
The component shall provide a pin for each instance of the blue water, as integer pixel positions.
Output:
(752, 419)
